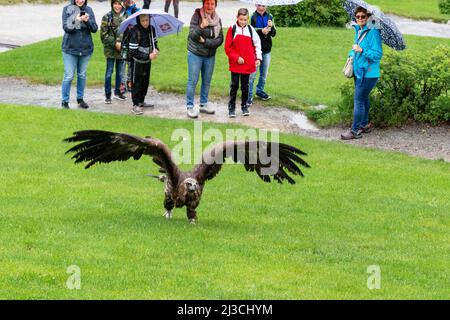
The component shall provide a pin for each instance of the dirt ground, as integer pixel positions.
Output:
(417, 140)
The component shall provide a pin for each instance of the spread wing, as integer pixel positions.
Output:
(265, 158)
(99, 146)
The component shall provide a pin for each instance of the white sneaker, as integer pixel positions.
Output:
(206, 109)
(192, 113)
(137, 110)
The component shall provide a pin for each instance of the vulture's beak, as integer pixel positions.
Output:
(192, 187)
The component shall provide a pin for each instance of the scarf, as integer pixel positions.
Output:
(214, 21)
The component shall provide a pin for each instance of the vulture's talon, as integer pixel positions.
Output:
(168, 214)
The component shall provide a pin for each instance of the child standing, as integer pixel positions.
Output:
(111, 39)
(243, 48)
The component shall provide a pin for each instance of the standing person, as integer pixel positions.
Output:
(143, 49)
(78, 22)
(111, 39)
(205, 36)
(175, 7)
(243, 48)
(262, 21)
(367, 53)
(130, 8)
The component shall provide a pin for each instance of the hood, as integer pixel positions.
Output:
(74, 3)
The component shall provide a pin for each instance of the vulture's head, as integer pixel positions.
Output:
(191, 185)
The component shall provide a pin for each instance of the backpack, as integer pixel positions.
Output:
(233, 31)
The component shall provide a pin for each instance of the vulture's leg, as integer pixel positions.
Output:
(168, 205)
(192, 215)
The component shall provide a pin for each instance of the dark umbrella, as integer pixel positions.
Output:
(390, 34)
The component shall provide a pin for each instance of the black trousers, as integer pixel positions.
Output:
(140, 78)
(234, 86)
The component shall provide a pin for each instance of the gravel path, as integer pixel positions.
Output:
(417, 140)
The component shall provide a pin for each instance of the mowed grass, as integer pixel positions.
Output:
(305, 70)
(313, 240)
(416, 9)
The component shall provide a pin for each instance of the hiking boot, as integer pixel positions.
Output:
(231, 114)
(245, 111)
(367, 128)
(263, 96)
(120, 96)
(65, 105)
(108, 101)
(192, 113)
(82, 104)
(146, 105)
(206, 109)
(137, 110)
(351, 135)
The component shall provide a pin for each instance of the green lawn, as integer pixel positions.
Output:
(306, 71)
(416, 9)
(355, 208)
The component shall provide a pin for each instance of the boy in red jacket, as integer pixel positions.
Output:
(243, 48)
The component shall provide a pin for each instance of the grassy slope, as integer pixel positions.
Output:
(315, 239)
(306, 70)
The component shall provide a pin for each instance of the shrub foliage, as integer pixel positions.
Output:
(444, 6)
(310, 13)
(410, 88)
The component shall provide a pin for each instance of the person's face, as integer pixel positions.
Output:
(242, 20)
(145, 20)
(80, 2)
(117, 7)
(209, 6)
(361, 18)
(260, 9)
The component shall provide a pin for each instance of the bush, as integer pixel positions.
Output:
(444, 6)
(410, 88)
(310, 13)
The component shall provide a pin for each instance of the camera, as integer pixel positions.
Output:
(82, 13)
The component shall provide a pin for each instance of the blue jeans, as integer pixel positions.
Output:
(108, 75)
(362, 103)
(72, 63)
(197, 64)
(263, 71)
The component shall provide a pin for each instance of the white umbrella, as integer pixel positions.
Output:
(164, 23)
(270, 3)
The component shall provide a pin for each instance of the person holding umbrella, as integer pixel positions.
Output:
(367, 53)
(143, 48)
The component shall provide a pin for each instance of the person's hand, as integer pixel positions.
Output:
(205, 23)
(265, 31)
(257, 63)
(85, 18)
(357, 48)
(241, 60)
(201, 40)
(269, 23)
(154, 54)
(118, 46)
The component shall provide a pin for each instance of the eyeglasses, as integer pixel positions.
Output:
(361, 17)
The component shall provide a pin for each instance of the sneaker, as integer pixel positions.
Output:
(82, 104)
(231, 114)
(192, 113)
(146, 105)
(245, 111)
(249, 104)
(367, 128)
(351, 135)
(137, 110)
(120, 96)
(108, 100)
(263, 96)
(206, 109)
(65, 105)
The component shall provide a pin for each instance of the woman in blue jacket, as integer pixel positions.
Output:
(367, 53)
(78, 22)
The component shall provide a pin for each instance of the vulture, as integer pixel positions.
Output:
(185, 188)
